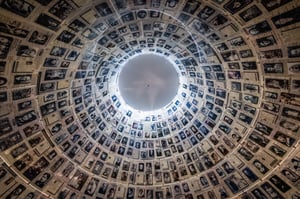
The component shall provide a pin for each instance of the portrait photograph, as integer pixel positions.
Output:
(65, 36)
(233, 6)
(259, 28)
(266, 41)
(62, 9)
(5, 43)
(48, 22)
(13, 30)
(250, 13)
(273, 4)
(23, 10)
(287, 18)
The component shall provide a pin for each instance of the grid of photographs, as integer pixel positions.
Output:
(231, 131)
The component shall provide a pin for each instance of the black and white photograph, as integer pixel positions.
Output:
(259, 28)
(233, 6)
(5, 43)
(273, 4)
(287, 18)
(61, 9)
(13, 29)
(48, 22)
(250, 13)
(39, 37)
(21, 7)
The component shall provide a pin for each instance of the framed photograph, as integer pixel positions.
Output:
(65, 36)
(237, 41)
(5, 43)
(48, 22)
(277, 150)
(78, 180)
(259, 139)
(13, 30)
(46, 87)
(5, 126)
(22, 8)
(21, 93)
(218, 20)
(58, 51)
(72, 55)
(279, 183)
(103, 9)
(270, 54)
(271, 191)
(246, 53)
(266, 41)
(26, 51)
(127, 17)
(62, 9)
(230, 56)
(171, 3)
(273, 68)
(272, 5)
(236, 183)
(293, 51)
(191, 6)
(284, 139)
(287, 18)
(233, 6)
(51, 62)
(277, 83)
(120, 4)
(39, 37)
(24, 105)
(261, 27)
(77, 25)
(263, 128)
(250, 13)
(206, 12)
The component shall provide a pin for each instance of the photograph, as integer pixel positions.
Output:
(58, 51)
(273, 68)
(271, 191)
(271, 54)
(266, 41)
(65, 36)
(287, 18)
(103, 9)
(259, 28)
(293, 51)
(260, 166)
(21, 7)
(78, 180)
(13, 30)
(77, 25)
(26, 51)
(62, 9)
(279, 183)
(274, 4)
(48, 22)
(5, 43)
(233, 6)
(284, 139)
(250, 13)
(206, 12)
(236, 183)
(39, 37)
(26, 118)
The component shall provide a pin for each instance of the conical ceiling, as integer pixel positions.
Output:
(229, 130)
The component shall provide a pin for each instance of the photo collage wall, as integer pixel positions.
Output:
(231, 131)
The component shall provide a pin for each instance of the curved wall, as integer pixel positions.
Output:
(231, 131)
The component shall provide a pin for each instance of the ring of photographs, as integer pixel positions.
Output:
(233, 129)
